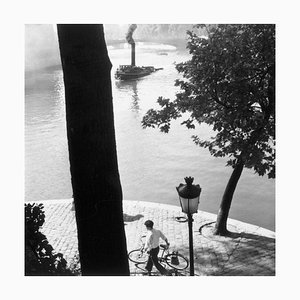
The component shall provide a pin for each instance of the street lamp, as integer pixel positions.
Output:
(189, 195)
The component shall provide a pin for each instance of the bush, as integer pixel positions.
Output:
(40, 258)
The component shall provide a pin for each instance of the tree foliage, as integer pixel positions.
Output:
(229, 84)
(40, 258)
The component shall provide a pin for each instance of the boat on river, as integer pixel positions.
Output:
(127, 72)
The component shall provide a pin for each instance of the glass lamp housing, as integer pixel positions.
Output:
(189, 195)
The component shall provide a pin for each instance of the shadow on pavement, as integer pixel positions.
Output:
(248, 254)
(237, 254)
(128, 218)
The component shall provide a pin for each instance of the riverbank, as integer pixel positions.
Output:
(161, 161)
(250, 252)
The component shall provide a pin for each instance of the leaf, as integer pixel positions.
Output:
(228, 83)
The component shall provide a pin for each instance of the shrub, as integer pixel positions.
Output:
(40, 258)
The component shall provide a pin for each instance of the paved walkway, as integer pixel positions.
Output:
(251, 251)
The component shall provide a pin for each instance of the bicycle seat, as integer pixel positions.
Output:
(163, 246)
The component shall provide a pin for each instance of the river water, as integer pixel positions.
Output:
(151, 163)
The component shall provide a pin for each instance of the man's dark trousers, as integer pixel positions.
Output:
(154, 260)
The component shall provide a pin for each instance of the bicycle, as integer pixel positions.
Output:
(176, 261)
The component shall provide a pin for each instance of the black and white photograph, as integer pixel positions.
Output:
(168, 123)
(149, 151)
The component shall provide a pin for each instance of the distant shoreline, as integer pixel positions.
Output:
(180, 44)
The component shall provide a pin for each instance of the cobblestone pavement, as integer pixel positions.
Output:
(249, 251)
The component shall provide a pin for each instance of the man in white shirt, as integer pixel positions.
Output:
(152, 247)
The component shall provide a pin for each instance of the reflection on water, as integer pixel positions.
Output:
(46, 154)
(131, 87)
(151, 163)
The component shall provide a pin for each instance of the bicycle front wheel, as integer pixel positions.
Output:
(178, 262)
(138, 256)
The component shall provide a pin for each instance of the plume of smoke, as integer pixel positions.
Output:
(129, 33)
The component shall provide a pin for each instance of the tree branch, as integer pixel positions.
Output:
(217, 99)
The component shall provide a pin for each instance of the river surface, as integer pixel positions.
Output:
(151, 163)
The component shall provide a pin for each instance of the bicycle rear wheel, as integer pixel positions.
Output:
(137, 256)
(179, 263)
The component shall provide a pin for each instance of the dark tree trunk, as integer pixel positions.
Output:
(221, 224)
(92, 150)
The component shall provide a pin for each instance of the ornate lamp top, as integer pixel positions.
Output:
(189, 190)
(189, 180)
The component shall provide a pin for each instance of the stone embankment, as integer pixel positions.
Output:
(249, 251)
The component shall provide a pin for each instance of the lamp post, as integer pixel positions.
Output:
(189, 195)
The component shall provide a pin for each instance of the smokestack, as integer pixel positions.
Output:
(130, 41)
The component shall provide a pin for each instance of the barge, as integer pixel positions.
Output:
(129, 72)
